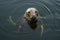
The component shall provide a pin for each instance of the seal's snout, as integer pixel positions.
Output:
(33, 18)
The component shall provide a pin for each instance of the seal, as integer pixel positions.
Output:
(31, 16)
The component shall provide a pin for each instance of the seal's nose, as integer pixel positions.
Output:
(33, 18)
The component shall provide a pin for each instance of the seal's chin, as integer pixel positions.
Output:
(33, 23)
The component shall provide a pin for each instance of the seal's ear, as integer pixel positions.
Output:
(26, 15)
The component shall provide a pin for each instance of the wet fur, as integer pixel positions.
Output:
(32, 24)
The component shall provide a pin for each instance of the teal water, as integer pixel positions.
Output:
(50, 9)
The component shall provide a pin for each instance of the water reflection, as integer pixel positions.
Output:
(49, 10)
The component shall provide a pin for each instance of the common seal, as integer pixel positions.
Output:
(31, 15)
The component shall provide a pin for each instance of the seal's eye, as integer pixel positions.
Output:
(28, 12)
(35, 11)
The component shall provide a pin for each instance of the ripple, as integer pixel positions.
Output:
(56, 2)
(56, 5)
(17, 10)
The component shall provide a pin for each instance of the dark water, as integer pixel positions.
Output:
(49, 9)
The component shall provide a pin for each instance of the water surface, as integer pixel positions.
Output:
(49, 9)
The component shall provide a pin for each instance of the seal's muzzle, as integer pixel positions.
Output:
(33, 18)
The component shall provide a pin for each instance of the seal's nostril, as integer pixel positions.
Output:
(33, 18)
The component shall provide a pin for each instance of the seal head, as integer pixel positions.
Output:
(31, 15)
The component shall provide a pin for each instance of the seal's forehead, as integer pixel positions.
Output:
(29, 9)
